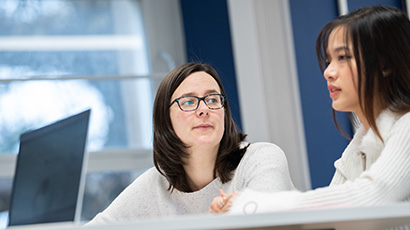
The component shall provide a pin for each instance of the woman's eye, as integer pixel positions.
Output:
(187, 103)
(212, 100)
(343, 57)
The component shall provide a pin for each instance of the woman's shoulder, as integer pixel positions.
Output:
(263, 151)
(149, 174)
(263, 148)
(404, 118)
(264, 167)
(390, 122)
(150, 178)
(390, 118)
(400, 126)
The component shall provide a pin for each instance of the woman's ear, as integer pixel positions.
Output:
(386, 72)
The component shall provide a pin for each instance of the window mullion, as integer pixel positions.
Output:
(118, 160)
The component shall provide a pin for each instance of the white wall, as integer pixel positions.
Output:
(267, 79)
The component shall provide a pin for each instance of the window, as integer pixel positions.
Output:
(60, 57)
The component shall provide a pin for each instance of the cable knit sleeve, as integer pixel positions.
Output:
(386, 181)
(263, 168)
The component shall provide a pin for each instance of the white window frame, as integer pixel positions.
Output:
(166, 47)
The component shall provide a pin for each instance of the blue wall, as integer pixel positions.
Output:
(354, 4)
(324, 143)
(208, 40)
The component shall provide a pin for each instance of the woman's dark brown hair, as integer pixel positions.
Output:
(380, 38)
(170, 151)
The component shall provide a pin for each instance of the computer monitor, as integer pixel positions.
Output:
(49, 179)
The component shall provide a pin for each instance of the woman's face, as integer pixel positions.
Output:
(341, 73)
(203, 126)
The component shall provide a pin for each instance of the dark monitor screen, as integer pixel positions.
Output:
(48, 181)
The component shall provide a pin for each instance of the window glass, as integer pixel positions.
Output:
(35, 64)
(59, 57)
(115, 122)
(69, 17)
(62, 56)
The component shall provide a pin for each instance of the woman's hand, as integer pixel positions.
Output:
(221, 204)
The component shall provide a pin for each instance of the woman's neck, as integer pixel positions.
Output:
(200, 168)
(363, 120)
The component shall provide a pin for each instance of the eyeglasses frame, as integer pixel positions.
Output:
(223, 97)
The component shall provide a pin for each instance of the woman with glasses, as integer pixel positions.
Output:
(199, 153)
(365, 59)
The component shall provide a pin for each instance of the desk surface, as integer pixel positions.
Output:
(372, 218)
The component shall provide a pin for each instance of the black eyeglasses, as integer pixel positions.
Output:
(191, 103)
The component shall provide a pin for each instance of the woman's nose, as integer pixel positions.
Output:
(202, 108)
(330, 72)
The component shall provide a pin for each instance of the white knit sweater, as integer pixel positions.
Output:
(369, 172)
(263, 168)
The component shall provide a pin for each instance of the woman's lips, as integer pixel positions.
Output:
(333, 91)
(203, 126)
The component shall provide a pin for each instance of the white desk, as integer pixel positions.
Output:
(363, 218)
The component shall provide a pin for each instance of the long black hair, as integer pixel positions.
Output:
(380, 38)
